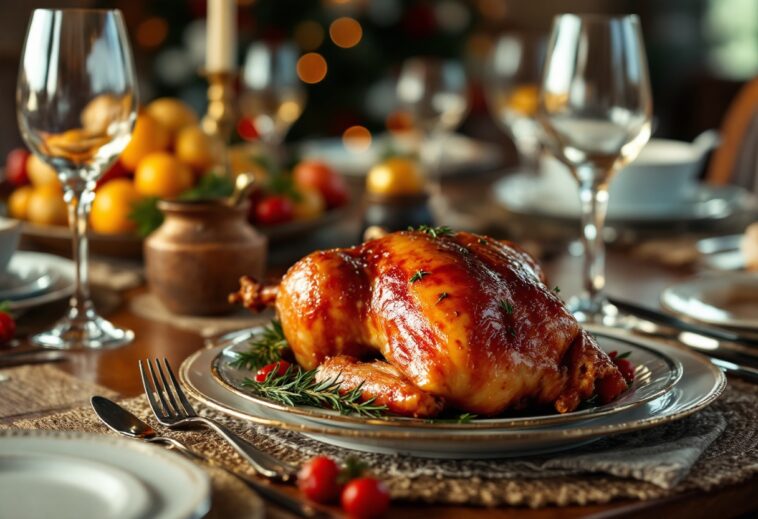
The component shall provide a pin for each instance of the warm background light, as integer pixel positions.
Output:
(311, 67)
(356, 139)
(345, 32)
(152, 32)
(309, 35)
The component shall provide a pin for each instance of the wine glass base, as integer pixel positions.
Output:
(591, 311)
(92, 333)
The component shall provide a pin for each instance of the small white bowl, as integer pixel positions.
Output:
(665, 172)
(10, 232)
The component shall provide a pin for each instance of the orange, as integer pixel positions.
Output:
(172, 113)
(41, 173)
(46, 206)
(395, 176)
(163, 175)
(148, 136)
(194, 148)
(112, 206)
(18, 202)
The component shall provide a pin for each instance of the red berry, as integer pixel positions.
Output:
(281, 367)
(7, 327)
(626, 368)
(613, 354)
(317, 479)
(365, 498)
(15, 167)
(273, 210)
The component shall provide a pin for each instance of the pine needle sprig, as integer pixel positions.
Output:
(264, 349)
(434, 232)
(298, 387)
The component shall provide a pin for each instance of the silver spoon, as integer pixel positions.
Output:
(123, 422)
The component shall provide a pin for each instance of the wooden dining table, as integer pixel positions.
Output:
(628, 277)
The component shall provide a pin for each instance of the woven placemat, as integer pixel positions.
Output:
(731, 458)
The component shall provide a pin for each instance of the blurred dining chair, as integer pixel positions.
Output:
(735, 161)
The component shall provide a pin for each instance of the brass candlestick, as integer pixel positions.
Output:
(218, 121)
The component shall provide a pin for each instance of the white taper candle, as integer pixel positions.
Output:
(221, 42)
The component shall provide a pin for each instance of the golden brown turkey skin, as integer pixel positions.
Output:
(464, 318)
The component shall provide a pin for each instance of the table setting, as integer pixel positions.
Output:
(225, 294)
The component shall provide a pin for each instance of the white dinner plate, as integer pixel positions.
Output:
(701, 384)
(656, 373)
(461, 154)
(23, 280)
(724, 299)
(80, 475)
(721, 252)
(61, 268)
(528, 194)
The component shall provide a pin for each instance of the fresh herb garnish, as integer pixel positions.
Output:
(463, 418)
(299, 387)
(264, 349)
(418, 276)
(622, 355)
(146, 215)
(505, 306)
(466, 417)
(557, 289)
(210, 187)
(443, 295)
(434, 232)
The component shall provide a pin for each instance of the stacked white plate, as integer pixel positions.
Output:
(670, 383)
(78, 475)
(34, 278)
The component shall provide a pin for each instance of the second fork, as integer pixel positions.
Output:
(172, 409)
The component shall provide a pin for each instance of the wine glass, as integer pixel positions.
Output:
(595, 109)
(432, 92)
(76, 102)
(273, 96)
(511, 87)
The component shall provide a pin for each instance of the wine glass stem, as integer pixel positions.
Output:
(79, 196)
(594, 200)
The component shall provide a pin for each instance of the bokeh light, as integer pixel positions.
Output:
(399, 121)
(346, 32)
(151, 32)
(311, 67)
(309, 35)
(357, 139)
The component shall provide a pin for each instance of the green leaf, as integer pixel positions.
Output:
(5, 306)
(210, 187)
(622, 355)
(505, 306)
(443, 295)
(434, 232)
(146, 215)
(283, 184)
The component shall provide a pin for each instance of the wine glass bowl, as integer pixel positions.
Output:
(273, 96)
(433, 93)
(76, 105)
(595, 110)
(511, 88)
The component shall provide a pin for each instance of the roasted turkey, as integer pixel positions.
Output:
(427, 321)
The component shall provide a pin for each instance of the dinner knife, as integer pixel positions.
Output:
(745, 372)
(20, 358)
(124, 422)
(669, 320)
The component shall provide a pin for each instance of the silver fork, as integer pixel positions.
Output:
(169, 412)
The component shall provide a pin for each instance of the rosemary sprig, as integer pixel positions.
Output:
(299, 387)
(443, 295)
(434, 232)
(264, 349)
(505, 306)
(418, 276)
(462, 418)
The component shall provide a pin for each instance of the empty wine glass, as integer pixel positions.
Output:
(432, 92)
(595, 108)
(76, 103)
(273, 96)
(511, 87)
